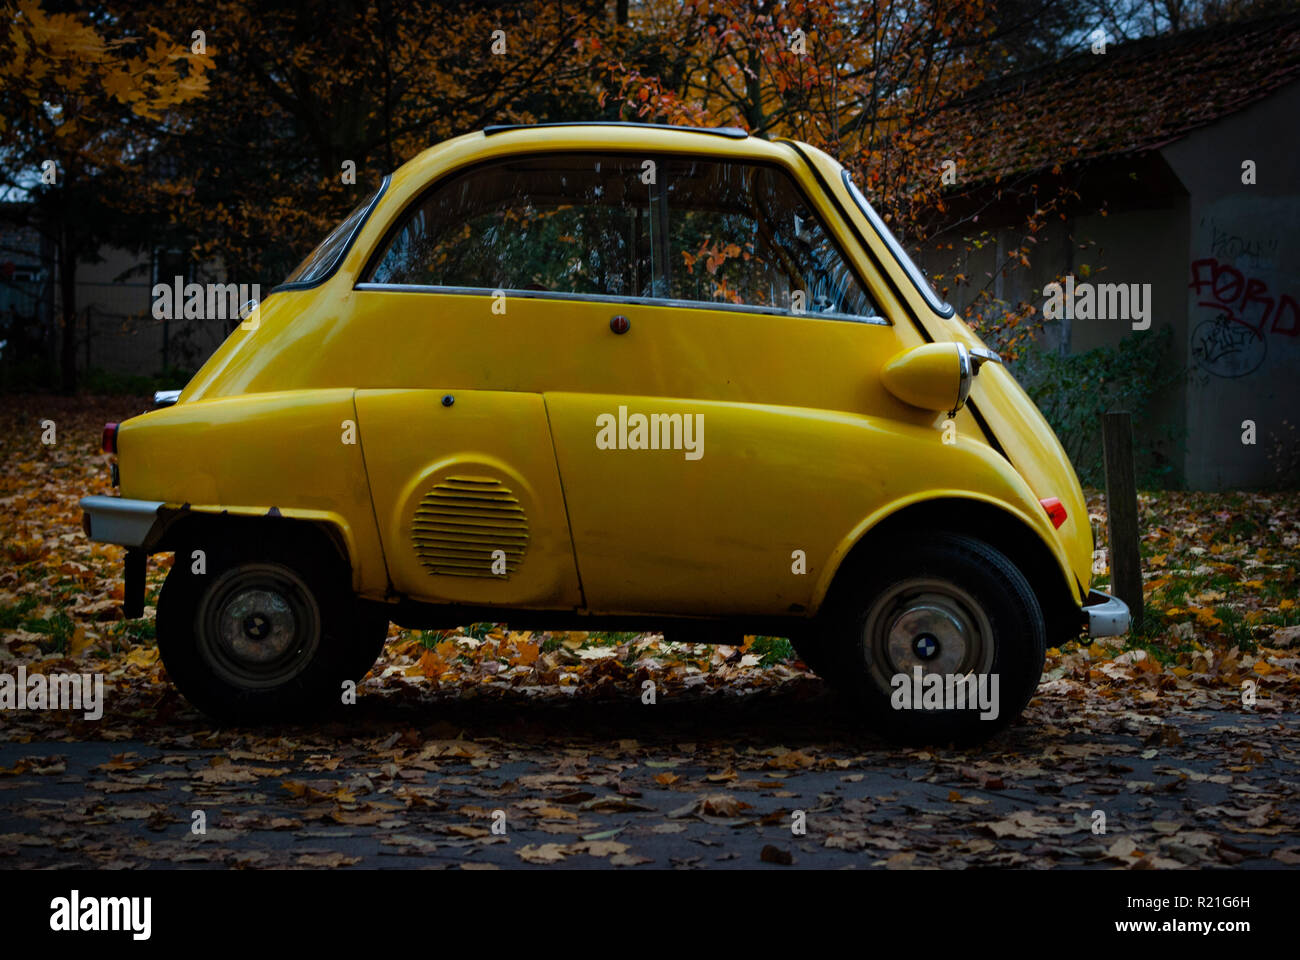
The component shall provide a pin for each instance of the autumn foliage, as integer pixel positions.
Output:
(243, 132)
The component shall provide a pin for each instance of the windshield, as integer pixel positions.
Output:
(320, 263)
(918, 278)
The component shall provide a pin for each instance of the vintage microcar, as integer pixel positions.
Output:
(608, 375)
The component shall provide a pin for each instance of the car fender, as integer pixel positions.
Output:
(288, 454)
(1014, 499)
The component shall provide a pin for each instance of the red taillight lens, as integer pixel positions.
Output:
(1055, 511)
(108, 442)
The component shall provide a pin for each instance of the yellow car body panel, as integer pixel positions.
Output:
(415, 444)
(251, 455)
(805, 448)
(1036, 453)
(653, 535)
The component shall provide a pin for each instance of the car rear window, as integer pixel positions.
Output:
(560, 224)
(322, 261)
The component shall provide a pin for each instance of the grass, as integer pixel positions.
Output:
(58, 627)
(13, 616)
(772, 650)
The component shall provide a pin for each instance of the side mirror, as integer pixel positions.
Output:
(935, 376)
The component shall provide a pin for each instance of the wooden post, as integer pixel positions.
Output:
(1122, 510)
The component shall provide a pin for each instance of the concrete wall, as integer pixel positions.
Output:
(1145, 247)
(1243, 278)
(1140, 246)
(1223, 261)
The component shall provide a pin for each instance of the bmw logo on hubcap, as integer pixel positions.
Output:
(925, 646)
(256, 626)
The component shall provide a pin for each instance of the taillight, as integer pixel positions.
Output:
(108, 441)
(1055, 511)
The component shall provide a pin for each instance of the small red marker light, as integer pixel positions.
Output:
(108, 441)
(1055, 511)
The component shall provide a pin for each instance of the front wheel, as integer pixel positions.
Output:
(942, 641)
(259, 638)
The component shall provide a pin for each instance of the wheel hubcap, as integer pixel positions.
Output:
(926, 623)
(258, 626)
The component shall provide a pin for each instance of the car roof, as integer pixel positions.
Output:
(734, 133)
(503, 140)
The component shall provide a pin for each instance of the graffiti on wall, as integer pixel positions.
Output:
(1233, 247)
(1230, 341)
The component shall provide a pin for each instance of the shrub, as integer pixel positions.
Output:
(1075, 390)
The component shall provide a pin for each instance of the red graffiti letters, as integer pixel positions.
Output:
(1244, 299)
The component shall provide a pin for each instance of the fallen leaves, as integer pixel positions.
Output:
(1113, 725)
(711, 808)
(1027, 823)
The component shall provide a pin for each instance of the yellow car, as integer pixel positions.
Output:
(609, 375)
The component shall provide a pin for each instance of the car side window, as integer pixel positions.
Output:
(561, 223)
(743, 233)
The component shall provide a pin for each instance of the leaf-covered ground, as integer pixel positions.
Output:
(546, 732)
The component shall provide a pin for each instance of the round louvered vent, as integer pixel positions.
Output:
(462, 522)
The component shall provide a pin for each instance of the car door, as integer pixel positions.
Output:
(490, 288)
(746, 434)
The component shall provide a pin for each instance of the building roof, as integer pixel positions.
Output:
(1135, 98)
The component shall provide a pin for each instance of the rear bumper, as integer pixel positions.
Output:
(1107, 616)
(134, 524)
(128, 523)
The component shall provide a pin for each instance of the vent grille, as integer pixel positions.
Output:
(462, 520)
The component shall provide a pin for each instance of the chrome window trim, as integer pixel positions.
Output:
(919, 280)
(613, 298)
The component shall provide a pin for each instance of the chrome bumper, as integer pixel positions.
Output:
(127, 523)
(1107, 616)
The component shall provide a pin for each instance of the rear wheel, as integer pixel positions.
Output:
(814, 649)
(265, 634)
(942, 642)
(372, 634)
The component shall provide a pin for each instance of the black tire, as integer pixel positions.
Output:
(372, 634)
(951, 605)
(814, 649)
(270, 631)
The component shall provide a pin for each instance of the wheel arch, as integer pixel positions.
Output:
(321, 535)
(987, 520)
